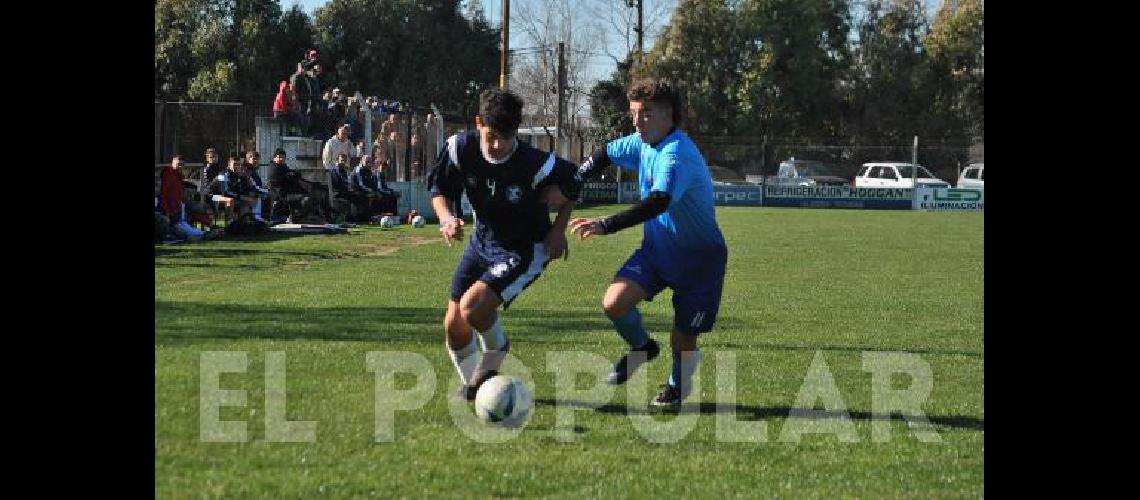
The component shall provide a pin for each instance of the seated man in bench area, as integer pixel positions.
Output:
(364, 181)
(172, 194)
(293, 196)
(390, 197)
(343, 191)
(230, 189)
(255, 187)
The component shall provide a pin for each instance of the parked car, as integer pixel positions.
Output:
(973, 176)
(793, 172)
(896, 175)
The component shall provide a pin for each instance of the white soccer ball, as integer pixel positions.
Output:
(503, 401)
(418, 221)
(387, 221)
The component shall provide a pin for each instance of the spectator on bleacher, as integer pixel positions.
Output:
(308, 90)
(418, 160)
(352, 119)
(310, 59)
(337, 106)
(294, 116)
(335, 146)
(281, 101)
(380, 144)
(396, 161)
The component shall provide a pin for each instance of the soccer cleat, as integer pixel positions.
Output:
(622, 369)
(464, 393)
(482, 373)
(467, 392)
(670, 396)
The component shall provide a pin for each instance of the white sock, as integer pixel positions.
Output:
(493, 339)
(465, 359)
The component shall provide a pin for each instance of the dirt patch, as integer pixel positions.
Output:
(376, 250)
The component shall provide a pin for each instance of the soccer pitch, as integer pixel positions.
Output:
(819, 307)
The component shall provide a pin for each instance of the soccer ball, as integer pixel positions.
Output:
(387, 221)
(418, 221)
(503, 401)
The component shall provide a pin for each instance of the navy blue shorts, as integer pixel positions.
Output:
(696, 294)
(508, 271)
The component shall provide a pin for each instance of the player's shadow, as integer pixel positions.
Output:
(745, 412)
(182, 321)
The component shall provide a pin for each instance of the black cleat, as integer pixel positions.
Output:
(467, 392)
(622, 370)
(670, 396)
(464, 393)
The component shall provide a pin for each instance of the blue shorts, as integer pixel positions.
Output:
(696, 289)
(508, 271)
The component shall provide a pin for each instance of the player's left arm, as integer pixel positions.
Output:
(562, 192)
(556, 239)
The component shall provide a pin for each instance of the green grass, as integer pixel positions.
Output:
(800, 282)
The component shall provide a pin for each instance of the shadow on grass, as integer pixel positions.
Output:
(177, 322)
(745, 412)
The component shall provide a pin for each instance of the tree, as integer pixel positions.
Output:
(225, 50)
(415, 51)
(890, 97)
(794, 55)
(609, 107)
(534, 73)
(699, 50)
(956, 48)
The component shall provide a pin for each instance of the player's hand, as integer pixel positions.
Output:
(556, 244)
(586, 228)
(452, 229)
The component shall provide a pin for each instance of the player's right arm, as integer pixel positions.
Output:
(625, 152)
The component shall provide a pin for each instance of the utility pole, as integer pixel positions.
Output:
(640, 29)
(561, 94)
(506, 44)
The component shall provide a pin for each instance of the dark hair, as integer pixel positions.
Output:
(500, 109)
(235, 156)
(658, 90)
(279, 152)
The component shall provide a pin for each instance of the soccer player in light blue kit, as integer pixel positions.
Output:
(682, 247)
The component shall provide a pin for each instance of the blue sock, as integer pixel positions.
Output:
(684, 373)
(630, 329)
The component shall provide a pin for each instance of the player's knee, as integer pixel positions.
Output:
(614, 307)
(473, 308)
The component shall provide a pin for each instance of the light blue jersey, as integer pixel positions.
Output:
(687, 231)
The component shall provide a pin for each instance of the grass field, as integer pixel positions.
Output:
(834, 286)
